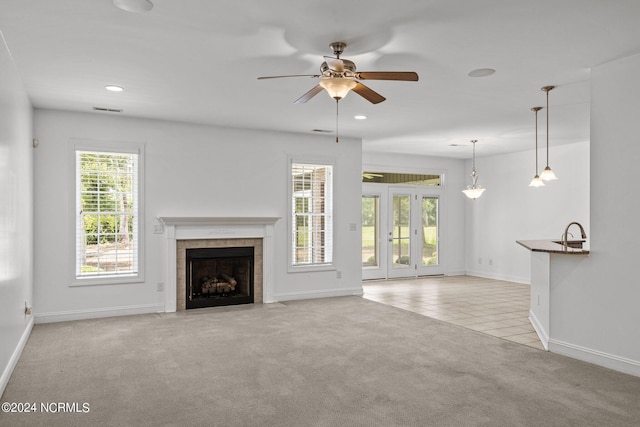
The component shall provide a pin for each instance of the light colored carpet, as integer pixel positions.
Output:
(328, 362)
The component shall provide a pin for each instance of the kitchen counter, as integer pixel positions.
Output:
(552, 247)
(547, 264)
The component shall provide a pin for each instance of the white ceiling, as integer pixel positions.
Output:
(198, 61)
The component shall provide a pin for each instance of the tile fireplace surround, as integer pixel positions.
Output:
(191, 232)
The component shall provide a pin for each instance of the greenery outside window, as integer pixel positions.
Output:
(311, 214)
(108, 213)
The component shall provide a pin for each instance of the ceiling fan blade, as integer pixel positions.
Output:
(368, 94)
(307, 96)
(408, 76)
(335, 64)
(292, 75)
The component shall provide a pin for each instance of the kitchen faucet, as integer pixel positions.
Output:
(565, 243)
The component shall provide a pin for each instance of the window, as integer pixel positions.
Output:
(107, 213)
(311, 214)
(402, 178)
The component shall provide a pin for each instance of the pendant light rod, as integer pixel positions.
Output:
(547, 89)
(547, 173)
(473, 161)
(535, 110)
(536, 181)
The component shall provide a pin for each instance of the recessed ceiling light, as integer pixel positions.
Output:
(114, 88)
(360, 117)
(481, 72)
(135, 6)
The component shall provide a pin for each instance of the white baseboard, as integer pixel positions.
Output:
(456, 273)
(611, 361)
(537, 326)
(13, 361)
(505, 277)
(319, 294)
(95, 313)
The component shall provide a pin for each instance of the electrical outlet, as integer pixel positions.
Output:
(158, 229)
(160, 286)
(338, 274)
(490, 261)
(479, 260)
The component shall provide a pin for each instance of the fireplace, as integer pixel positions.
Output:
(219, 276)
(184, 233)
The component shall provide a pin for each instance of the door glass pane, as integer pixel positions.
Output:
(429, 231)
(370, 205)
(401, 233)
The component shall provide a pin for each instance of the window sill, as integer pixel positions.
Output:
(311, 268)
(107, 280)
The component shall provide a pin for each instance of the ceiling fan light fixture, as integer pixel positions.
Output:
(337, 87)
(134, 6)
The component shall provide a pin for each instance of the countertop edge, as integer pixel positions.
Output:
(549, 246)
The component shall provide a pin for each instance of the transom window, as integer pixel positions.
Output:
(402, 178)
(107, 218)
(311, 214)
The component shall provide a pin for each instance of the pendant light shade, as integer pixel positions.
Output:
(474, 190)
(547, 174)
(536, 181)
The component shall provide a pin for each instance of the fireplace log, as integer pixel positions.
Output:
(222, 287)
(229, 279)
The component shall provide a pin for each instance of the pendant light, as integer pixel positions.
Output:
(536, 181)
(547, 174)
(474, 190)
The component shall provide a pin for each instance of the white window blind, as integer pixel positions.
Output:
(312, 214)
(107, 214)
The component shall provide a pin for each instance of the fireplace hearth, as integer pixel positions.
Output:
(219, 276)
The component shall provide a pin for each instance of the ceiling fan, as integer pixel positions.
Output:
(339, 76)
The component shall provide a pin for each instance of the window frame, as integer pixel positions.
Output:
(114, 148)
(325, 266)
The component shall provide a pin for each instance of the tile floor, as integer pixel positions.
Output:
(493, 307)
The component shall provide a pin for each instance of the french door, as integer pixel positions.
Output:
(401, 233)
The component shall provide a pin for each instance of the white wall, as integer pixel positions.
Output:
(452, 203)
(510, 210)
(595, 309)
(191, 170)
(16, 205)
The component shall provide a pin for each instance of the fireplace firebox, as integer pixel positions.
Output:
(219, 276)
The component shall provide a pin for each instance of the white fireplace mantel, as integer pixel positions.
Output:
(183, 228)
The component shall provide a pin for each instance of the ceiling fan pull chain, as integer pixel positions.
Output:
(337, 102)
